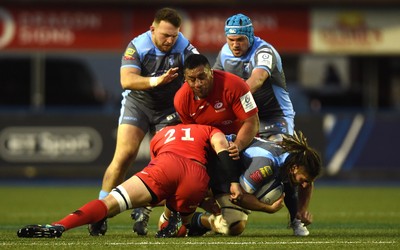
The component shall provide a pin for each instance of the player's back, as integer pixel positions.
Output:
(191, 141)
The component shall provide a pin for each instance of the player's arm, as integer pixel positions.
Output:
(247, 132)
(304, 194)
(249, 201)
(230, 168)
(131, 78)
(257, 78)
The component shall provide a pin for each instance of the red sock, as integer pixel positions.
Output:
(91, 212)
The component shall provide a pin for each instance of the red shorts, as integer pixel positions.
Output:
(182, 182)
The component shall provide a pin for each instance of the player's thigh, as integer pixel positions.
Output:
(129, 138)
(137, 191)
(191, 190)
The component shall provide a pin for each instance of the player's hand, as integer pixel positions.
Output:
(278, 204)
(168, 76)
(233, 150)
(305, 217)
(210, 205)
(236, 191)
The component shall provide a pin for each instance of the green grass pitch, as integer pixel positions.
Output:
(345, 217)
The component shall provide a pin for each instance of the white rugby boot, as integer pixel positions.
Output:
(298, 228)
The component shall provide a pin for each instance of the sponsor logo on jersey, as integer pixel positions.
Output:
(256, 176)
(129, 54)
(266, 171)
(248, 102)
(264, 59)
(247, 67)
(219, 107)
(227, 122)
(171, 60)
(278, 125)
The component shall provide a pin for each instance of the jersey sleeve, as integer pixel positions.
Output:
(190, 50)
(244, 105)
(259, 172)
(265, 59)
(131, 57)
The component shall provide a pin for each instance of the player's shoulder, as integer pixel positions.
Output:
(142, 38)
(182, 45)
(228, 79)
(143, 42)
(262, 46)
(182, 95)
(184, 90)
(224, 74)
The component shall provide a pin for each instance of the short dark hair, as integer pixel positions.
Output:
(195, 60)
(168, 15)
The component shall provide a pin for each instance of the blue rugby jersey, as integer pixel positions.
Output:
(142, 54)
(262, 161)
(272, 98)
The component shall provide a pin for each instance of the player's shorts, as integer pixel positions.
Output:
(231, 212)
(274, 126)
(146, 119)
(182, 182)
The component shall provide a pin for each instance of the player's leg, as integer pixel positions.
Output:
(131, 193)
(159, 119)
(129, 138)
(291, 202)
(192, 180)
(232, 220)
(272, 129)
(199, 224)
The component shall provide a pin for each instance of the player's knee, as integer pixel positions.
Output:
(122, 197)
(228, 225)
(237, 228)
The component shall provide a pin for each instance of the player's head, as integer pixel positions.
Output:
(303, 164)
(165, 28)
(198, 75)
(239, 33)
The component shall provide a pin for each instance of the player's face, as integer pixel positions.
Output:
(164, 35)
(200, 80)
(238, 44)
(299, 177)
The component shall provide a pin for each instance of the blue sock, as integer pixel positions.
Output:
(103, 194)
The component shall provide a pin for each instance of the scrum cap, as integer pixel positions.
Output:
(240, 25)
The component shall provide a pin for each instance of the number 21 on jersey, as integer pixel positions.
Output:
(170, 135)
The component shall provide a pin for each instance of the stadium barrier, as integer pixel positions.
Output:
(81, 145)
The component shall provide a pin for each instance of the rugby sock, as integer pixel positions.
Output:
(91, 212)
(291, 202)
(103, 194)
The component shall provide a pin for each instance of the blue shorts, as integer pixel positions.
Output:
(146, 119)
(274, 126)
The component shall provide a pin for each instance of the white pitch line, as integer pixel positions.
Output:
(194, 243)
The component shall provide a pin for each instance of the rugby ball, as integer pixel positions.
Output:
(269, 192)
(181, 232)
